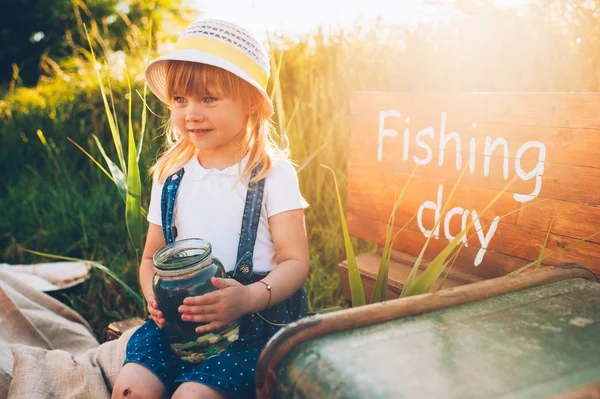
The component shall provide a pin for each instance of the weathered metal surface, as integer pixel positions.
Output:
(532, 343)
(315, 326)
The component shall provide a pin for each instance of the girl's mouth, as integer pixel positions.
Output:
(199, 131)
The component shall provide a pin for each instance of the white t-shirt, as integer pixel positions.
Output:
(210, 205)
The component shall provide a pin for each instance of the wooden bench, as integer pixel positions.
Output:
(400, 267)
(117, 328)
(549, 142)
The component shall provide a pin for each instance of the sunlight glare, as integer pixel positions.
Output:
(298, 18)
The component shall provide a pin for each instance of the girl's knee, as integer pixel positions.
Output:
(136, 381)
(196, 390)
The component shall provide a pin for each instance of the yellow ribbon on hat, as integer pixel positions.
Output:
(226, 51)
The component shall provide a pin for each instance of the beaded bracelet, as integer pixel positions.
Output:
(268, 289)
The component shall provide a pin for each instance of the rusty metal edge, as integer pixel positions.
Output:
(319, 325)
(588, 391)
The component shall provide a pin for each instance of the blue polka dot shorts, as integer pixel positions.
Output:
(231, 372)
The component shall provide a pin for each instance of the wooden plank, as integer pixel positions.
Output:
(410, 241)
(454, 274)
(526, 243)
(508, 239)
(570, 146)
(368, 266)
(514, 248)
(570, 182)
(550, 144)
(563, 170)
(578, 111)
(382, 192)
(568, 219)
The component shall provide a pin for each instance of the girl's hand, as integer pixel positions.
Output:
(155, 314)
(217, 308)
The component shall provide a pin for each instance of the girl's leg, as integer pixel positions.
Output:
(195, 390)
(136, 381)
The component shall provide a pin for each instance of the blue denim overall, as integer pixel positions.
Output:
(233, 371)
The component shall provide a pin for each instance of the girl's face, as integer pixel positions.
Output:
(212, 121)
(210, 107)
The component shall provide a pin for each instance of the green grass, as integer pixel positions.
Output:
(76, 220)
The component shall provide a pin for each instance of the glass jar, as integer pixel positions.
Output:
(184, 269)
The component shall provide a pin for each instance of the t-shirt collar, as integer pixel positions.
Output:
(199, 171)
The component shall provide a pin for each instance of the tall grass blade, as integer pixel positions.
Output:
(117, 132)
(527, 266)
(386, 256)
(381, 284)
(356, 288)
(275, 66)
(312, 156)
(413, 272)
(290, 119)
(541, 254)
(427, 279)
(133, 203)
(451, 262)
(143, 127)
(117, 175)
(91, 159)
(520, 209)
(114, 130)
(278, 98)
(316, 152)
(144, 109)
(98, 266)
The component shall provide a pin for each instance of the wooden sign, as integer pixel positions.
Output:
(547, 144)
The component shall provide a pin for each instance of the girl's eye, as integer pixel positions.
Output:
(179, 99)
(209, 100)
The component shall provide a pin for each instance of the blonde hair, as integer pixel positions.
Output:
(191, 78)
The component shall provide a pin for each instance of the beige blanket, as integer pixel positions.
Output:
(47, 349)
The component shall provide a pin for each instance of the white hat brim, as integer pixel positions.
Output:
(156, 71)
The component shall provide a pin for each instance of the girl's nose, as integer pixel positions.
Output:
(194, 114)
(194, 117)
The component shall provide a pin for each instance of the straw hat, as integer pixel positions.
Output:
(219, 43)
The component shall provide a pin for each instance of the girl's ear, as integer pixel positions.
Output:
(257, 108)
(253, 107)
(253, 111)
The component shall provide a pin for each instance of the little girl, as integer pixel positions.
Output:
(219, 145)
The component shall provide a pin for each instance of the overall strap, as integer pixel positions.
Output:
(167, 204)
(243, 267)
